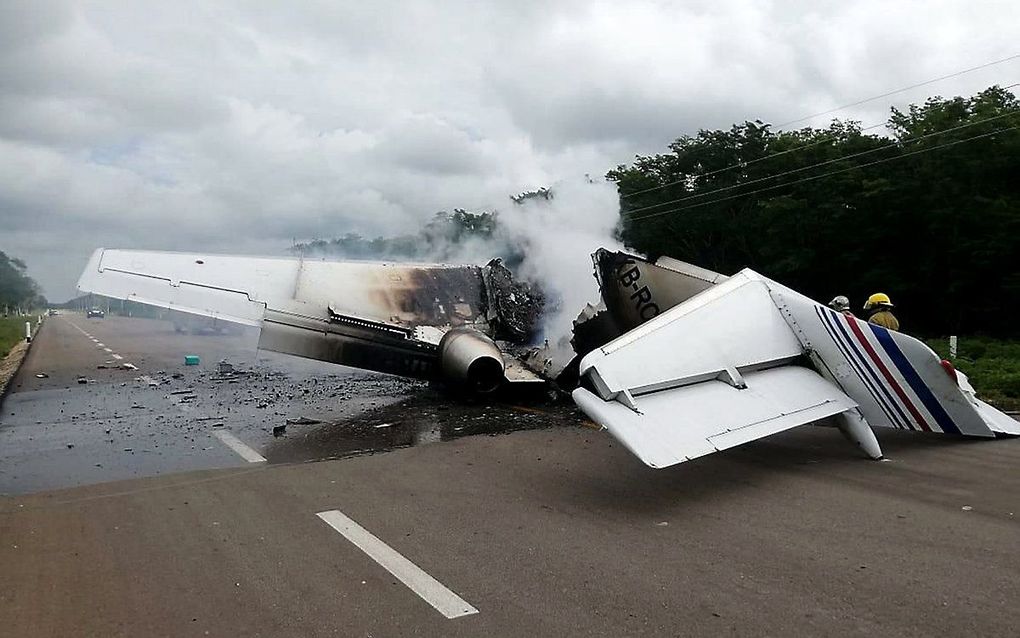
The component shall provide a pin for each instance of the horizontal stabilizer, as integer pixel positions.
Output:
(676, 425)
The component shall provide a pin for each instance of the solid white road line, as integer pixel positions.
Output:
(108, 349)
(236, 445)
(428, 588)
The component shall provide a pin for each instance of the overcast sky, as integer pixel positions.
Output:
(235, 127)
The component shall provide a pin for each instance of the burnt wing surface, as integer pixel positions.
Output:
(513, 308)
(387, 317)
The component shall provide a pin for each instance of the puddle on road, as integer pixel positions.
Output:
(429, 417)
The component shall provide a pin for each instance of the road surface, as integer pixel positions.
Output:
(536, 525)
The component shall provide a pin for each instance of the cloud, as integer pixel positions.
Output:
(237, 128)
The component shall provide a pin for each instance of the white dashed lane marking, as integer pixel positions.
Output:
(417, 580)
(99, 344)
(235, 444)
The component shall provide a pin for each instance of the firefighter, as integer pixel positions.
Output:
(879, 309)
(840, 303)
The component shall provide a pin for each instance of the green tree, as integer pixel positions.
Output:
(927, 214)
(17, 289)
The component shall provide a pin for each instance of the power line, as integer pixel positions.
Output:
(795, 149)
(743, 164)
(825, 163)
(906, 88)
(829, 174)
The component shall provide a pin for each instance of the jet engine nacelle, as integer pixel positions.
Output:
(470, 359)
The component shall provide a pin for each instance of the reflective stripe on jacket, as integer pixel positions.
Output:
(885, 319)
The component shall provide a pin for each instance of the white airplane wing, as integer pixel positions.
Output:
(748, 357)
(712, 373)
(237, 289)
(388, 317)
(673, 426)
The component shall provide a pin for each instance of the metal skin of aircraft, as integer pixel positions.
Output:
(676, 361)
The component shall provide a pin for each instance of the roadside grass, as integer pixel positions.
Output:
(992, 365)
(12, 330)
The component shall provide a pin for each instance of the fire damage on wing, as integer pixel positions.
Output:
(445, 323)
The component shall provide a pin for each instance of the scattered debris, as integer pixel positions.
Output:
(224, 368)
(966, 508)
(42, 375)
(279, 430)
(302, 420)
(191, 360)
(82, 380)
(128, 366)
(70, 445)
(188, 391)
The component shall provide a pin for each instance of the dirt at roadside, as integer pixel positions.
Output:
(9, 365)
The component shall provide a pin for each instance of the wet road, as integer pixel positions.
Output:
(552, 531)
(116, 401)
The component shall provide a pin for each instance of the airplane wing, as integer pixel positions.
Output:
(387, 317)
(747, 357)
(709, 374)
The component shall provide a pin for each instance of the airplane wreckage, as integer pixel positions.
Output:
(676, 361)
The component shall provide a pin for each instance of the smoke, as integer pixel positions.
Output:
(556, 236)
(546, 237)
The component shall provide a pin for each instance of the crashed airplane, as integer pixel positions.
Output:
(676, 361)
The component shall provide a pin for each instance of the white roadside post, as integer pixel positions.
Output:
(28, 332)
(952, 347)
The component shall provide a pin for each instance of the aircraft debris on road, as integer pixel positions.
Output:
(675, 361)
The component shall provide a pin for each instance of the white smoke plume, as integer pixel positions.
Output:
(557, 236)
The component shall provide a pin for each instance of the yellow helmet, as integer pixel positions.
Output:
(878, 299)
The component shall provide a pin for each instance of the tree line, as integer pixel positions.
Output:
(928, 213)
(441, 238)
(18, 291)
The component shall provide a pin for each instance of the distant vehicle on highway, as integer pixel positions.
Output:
(51, 311)
(95, 313)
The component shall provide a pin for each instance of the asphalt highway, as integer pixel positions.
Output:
(457, 520)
